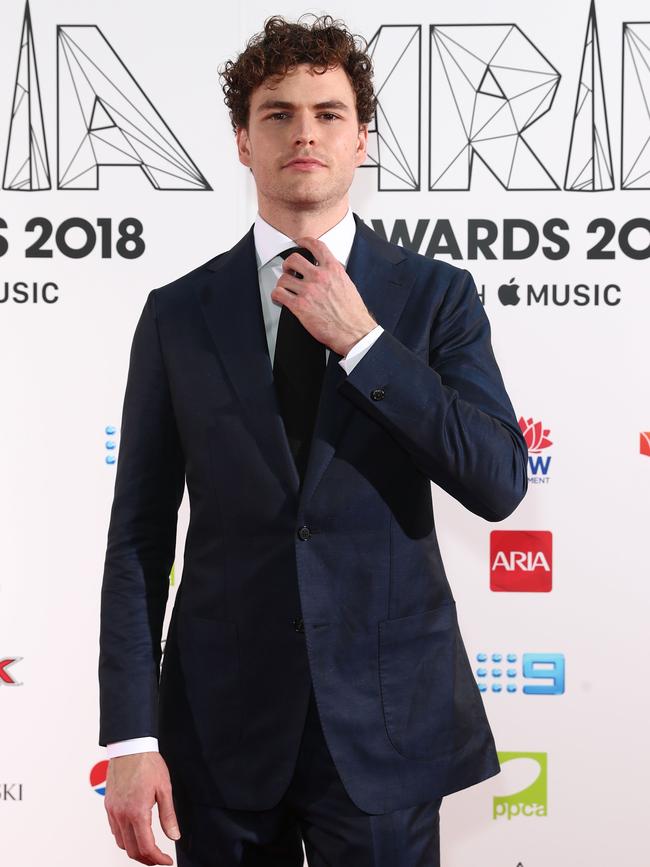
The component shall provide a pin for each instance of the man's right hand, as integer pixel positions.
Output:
(133, 785)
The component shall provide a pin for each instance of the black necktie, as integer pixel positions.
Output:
(298, 369)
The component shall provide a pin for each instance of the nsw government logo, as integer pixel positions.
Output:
(537, 440)
(521, 561)
(525, 776)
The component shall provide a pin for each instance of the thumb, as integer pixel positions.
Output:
(167, 814)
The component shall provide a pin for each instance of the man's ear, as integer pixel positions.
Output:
(243, 145)
(362, 143)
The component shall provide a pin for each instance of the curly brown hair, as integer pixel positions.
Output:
(281, 46)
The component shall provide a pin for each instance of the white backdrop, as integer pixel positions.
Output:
(574, 791)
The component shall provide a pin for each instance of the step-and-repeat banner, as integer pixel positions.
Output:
(512, 139)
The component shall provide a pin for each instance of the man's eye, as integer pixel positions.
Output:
(329, 115)
(277, 114)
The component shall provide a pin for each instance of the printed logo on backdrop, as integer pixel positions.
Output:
(537, 441)
(110, 444)
(97, 777)
(529, 673)
(104, 118)
(521, 561)
(489, 84)
(525, 778)
(644, 443)
(7, 674)
(11, 791)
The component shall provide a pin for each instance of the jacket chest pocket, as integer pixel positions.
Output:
(416, 672)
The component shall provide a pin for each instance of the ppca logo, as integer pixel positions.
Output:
(525, 775)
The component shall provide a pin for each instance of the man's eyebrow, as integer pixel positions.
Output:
(279, 103)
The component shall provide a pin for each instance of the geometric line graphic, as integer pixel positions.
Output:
(106, 119)
(26, 163)
(394, 132)
(589, 164)
(635, 106)
(491, 84)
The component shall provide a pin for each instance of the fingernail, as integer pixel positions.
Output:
(175, 834)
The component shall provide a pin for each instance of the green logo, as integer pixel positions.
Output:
(530, 771)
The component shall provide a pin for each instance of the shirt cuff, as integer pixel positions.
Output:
(133, 745)
(356, 353)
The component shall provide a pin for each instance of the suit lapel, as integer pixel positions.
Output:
(231, 304)
(230, 299)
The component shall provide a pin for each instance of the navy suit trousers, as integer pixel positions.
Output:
(315, 810)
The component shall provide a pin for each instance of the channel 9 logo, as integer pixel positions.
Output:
(535, 673)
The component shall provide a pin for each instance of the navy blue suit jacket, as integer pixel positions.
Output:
(340, 583)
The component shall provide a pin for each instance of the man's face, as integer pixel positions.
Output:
(309, 116)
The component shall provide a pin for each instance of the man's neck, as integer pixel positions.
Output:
(299, 223)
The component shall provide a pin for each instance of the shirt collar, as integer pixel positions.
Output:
(270, 242)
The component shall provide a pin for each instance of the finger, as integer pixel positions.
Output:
(131, 844)
(298, 262)
(166, 813)
(115, 830)
(119, 835)
(284, 296)
(287, 281)
(319, 248)
(146, 844)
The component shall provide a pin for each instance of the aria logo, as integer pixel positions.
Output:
(537, 441)
(489, 84)
(104, 119)
(521, 561)
(525, 776)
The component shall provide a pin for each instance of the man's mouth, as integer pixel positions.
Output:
(304, 163)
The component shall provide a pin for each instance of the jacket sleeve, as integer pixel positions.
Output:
(149, 484)
(452, 415)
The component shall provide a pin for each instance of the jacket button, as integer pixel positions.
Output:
(377, 394)
(298, 624)
(304, 533)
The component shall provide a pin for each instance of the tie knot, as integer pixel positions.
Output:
(309, 256)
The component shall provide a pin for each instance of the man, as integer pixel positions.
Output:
(315, 687)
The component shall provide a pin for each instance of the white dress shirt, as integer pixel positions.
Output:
(269, 243)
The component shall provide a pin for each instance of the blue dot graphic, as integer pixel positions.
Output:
(496, 657)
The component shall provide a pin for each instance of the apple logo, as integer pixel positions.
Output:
(508, 293)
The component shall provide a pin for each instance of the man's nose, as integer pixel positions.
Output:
(305, 128)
